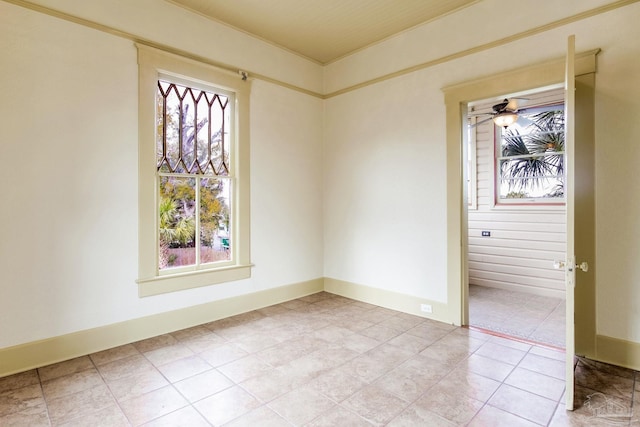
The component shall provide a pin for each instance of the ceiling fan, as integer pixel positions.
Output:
(504, 114)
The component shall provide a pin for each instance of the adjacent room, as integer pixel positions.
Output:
(221, 213)
(516, 216)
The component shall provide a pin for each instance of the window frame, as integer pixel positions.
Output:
(154, 64)
(472, 164)
(528, 202)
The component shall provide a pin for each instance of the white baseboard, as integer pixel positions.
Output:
(35, 354)
(618, 352)
(388, 299)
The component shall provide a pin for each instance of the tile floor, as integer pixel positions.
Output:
(523, 315)
(321, 360)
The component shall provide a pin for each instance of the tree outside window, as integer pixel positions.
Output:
(530, 158)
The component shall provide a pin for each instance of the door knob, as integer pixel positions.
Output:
(582, 266)
(559, 265)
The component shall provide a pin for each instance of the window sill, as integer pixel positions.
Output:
(192, 279)
(530, 206)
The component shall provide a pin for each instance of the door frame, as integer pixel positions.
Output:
(457, 97)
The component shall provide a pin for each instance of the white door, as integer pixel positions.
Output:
(570, 263)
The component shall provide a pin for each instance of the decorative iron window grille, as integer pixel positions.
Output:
(192, 130)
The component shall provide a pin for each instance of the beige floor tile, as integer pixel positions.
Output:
(185, 417)
(413, 378)
(339, 416)
(287, 351)
(301, 405)
(272, 384)
(353, 324)
(544, 365)
(262, 416)
(410, 343)
(332, 333)
(138, 384)
(242, 369)
(126, 367)
(365, 368)
(152, 405)
(403, 322)
(380, 332)
(184, 368)
(201, 343)
(608, 369)
(518, 345)
(466, 341)
(81, 404)
(223, 354)
(226, 405)
(472, 385)
(296, 304)
(594, 404)
(449, 355)
(337, 385)
(255, 342)
(548, 353)
(375, 404)
(203, 385)
(33, 416)
(191, 333)
(415, 415)
(358, 343)
(155, 343)
(65, 368)
(168, 354)
(20, 399)
(110, 416)
(72, 383)
(542, 385)
(112, 354)
(604, 382)
(487, 367)
(455, 407)
(324, 361)
(564, 418)
(501, 353)
(490, 416)
(389, 356)
(20, 380)
(524, 404)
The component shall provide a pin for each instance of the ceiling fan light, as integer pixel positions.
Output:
(505, 118)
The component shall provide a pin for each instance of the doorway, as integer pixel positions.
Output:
(516, 217)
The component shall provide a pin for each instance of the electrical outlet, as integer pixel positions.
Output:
(426, 308)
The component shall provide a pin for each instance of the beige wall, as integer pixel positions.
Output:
(352, 188)
(68, 252)
(405, 114)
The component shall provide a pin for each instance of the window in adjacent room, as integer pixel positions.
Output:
(193, 170)
(530, 158)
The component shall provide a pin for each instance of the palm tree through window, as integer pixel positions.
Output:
(530, 158)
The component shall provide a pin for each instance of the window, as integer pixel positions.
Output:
(193, 155)
(193, 174)
(530, 158)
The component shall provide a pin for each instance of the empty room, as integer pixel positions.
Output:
(281, 212)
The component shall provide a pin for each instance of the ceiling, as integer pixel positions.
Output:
(323, 30)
